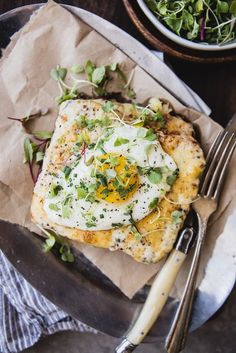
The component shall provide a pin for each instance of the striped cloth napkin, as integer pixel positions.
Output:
(25, 315)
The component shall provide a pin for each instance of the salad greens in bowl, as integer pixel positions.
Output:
(197, 24)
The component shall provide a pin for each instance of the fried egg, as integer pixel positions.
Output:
(114, 183)
(119, 176)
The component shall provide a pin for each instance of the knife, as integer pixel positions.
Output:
(161, 286)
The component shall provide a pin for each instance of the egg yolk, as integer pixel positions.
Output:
(120, 178)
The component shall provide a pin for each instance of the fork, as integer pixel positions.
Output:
(217, 162)
(210, 189)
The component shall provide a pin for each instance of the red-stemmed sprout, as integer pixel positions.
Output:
(83, 151)
(202, 29)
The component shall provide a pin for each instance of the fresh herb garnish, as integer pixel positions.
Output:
(147, 134)
(68, 94)
(59, 73)
(129, 209)
(66, 206)
(172, 178)
(114, 161)
(39, 157)
(129, 212)
(87, 192)
(211, 21)
(155, 176)
(92, 187)
(91, 146)
(54, 190)
(90, 220)
(104, 121)
(53, 207)
(150, 135)
(105, 192)
(177, 216)
(66, 254)
(33, 155)
(153, 204)
(43, 135)
(159, 117)
(112, 67)
(120, 141)
(49, 242)
(77, 69)
(29, 149)
(136, 233)
(107, 107)
(60, 244)
(130, 93)
(149, 116)
(123, 191)
(66, 211)
(26, 119)
(89, 68)
(89, 161)
(90, 224)
(84, 122)
(116, 225)
(67, 170)
(83, 137)
(97, 76)
(81, 193)
(102, 179)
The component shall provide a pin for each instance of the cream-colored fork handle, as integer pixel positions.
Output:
(157, 297)
(176, 338)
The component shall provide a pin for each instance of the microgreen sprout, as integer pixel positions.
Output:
(211, 21)
(97, 77)
(34, 152)
(28, 118)
(60, 244)
(133, 226)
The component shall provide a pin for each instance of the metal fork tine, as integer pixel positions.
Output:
(211, 159)
(222, 174)
(214, 146)
(210, 188)
(220, 164)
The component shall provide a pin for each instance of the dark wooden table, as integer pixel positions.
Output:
(214, 83)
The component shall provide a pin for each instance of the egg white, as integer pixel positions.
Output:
(104, 215)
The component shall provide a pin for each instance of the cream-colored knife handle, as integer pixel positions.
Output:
(154, 303)
(157, 297)
(158, 294)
